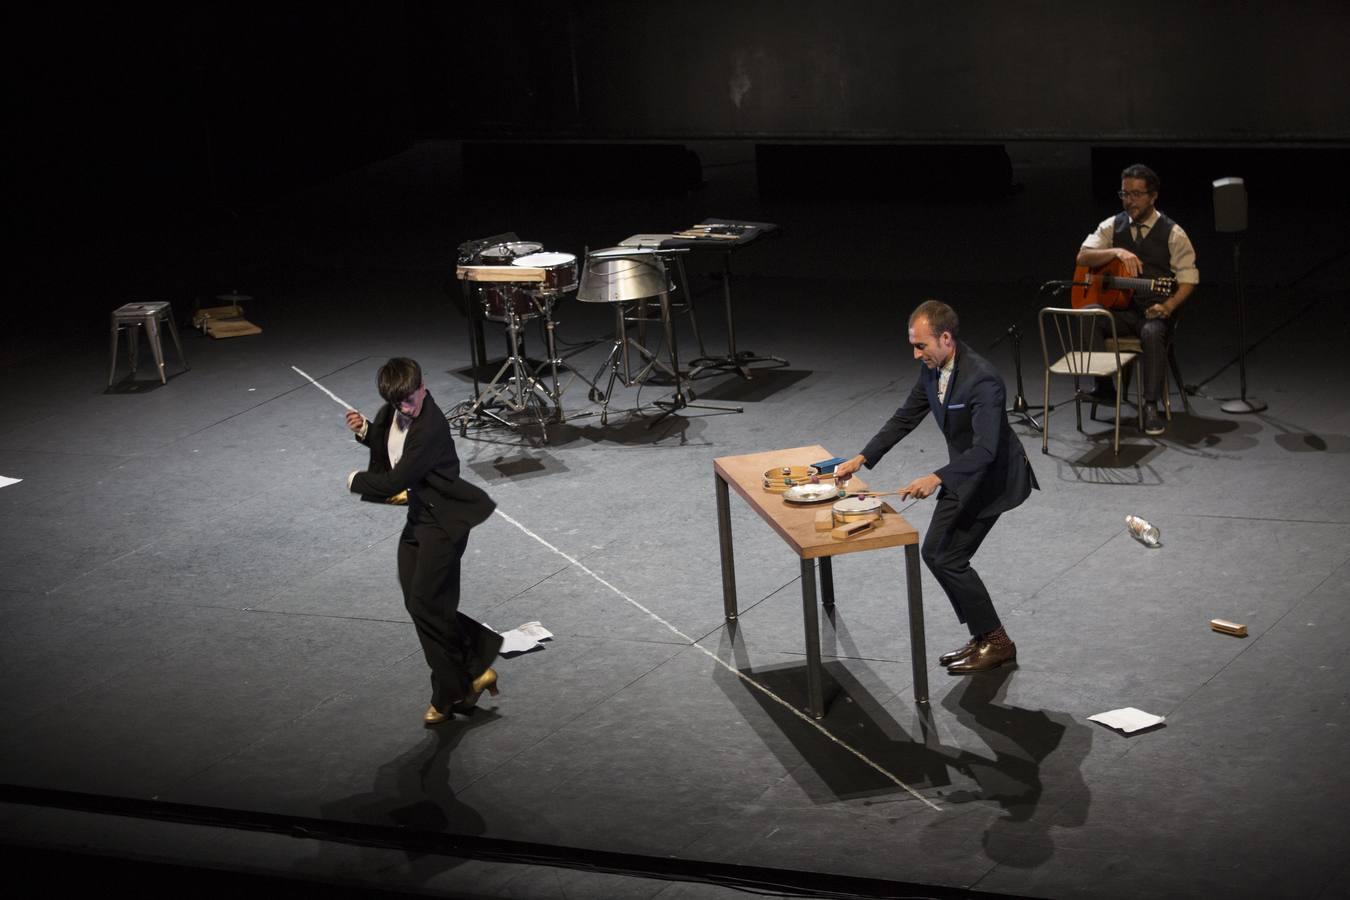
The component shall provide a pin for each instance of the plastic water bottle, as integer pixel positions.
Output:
(1142, 531)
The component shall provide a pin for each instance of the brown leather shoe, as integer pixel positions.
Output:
(959, 653)
(986, 656)
(434, 716)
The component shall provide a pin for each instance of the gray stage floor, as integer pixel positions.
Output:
(195, 611)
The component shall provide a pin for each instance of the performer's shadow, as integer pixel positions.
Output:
(1035, 776)
(411, 792)
(1037, 755)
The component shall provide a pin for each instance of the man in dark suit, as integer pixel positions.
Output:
(987, 474)
(411, 451)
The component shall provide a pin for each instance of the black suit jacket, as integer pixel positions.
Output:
(988, 471)
(428, 470)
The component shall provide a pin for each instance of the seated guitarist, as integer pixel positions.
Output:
(1150, 245)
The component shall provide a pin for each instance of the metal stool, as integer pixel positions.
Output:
(148, 314)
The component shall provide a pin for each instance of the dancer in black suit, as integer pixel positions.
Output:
(411, 451)
(987, 474)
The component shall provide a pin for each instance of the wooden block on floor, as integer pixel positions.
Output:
(227, 328)
(202, 316)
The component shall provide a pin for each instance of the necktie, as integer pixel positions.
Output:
(1139, 233)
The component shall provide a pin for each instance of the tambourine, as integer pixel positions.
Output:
(778, 480)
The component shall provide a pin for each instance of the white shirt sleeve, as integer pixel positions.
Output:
(1182, 257)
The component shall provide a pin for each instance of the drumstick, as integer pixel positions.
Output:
(871, 493)
(338, 400)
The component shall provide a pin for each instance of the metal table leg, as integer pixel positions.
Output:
(724, 543)
(917, 645)
(826, 582)
(815, 699)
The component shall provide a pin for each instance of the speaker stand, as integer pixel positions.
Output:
(1243, 404)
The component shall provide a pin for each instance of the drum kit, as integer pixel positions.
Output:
(514, 282)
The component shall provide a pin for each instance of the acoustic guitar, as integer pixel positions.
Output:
(1109, 286)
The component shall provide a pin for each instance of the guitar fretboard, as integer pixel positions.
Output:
(1152, 285)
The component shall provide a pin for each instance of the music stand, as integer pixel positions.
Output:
(735, 360)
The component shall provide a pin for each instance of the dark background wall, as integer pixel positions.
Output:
(1148, 70)
(217, 103)
(144, 124)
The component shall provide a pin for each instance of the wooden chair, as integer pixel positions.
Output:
(1073, 343)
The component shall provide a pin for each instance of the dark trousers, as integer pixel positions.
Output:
(456, 647)
(952, 540)
(1154, 336)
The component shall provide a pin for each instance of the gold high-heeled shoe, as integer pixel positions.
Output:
(485, 682)
(434, 716)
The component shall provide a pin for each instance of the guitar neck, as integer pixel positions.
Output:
(1131, 284)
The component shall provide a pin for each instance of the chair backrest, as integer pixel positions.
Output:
(1070, 337)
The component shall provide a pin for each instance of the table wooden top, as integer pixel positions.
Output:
(796, 522)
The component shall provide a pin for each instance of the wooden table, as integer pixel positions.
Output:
(795, 523)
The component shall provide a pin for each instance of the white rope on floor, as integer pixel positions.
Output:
(734, 671)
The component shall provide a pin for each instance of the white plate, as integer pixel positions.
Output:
(811, 493)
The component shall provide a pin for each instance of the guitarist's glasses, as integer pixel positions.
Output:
(1133, 195)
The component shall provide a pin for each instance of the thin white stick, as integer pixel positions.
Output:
(340, 402)
(789, 707)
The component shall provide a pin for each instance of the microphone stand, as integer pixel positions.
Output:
(1020, 407)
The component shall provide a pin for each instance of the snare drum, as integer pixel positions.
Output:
(502, 254)
(501, 301)
(560, 270)
(856, 509)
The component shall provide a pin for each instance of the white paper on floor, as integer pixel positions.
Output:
(1127, 719)
(6, 481)
(524, 638)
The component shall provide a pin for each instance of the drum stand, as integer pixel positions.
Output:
(619, 364)
(522, 389)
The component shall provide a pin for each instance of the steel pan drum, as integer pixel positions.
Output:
(621, 274)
